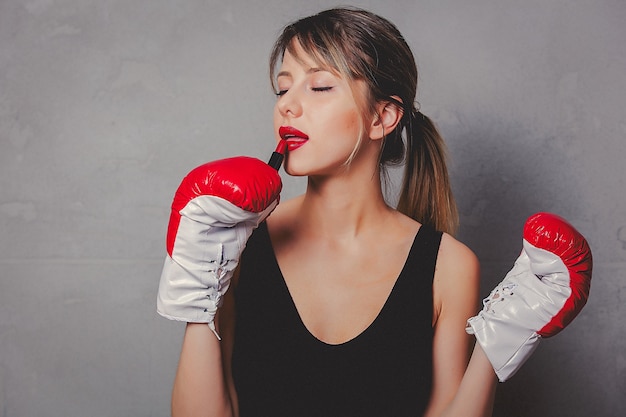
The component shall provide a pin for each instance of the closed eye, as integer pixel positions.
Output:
(281, 93)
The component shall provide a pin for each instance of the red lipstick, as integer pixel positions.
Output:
(293, 137)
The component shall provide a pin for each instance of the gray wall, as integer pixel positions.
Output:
(105, 105)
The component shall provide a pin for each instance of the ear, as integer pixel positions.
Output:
(388, 115)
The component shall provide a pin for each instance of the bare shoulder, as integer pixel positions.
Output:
(283, 219)
(455, 256)
(457, 276)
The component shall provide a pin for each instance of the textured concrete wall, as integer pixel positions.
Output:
(105, 105)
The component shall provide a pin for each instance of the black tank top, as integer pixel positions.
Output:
(281, 369)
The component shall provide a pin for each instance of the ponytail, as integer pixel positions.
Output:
(426, 194)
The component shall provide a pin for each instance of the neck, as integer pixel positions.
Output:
(343, 206)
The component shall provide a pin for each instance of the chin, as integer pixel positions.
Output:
(311, 167)
(295, 167)
(296, 172)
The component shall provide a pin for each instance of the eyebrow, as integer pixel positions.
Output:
(309, 71)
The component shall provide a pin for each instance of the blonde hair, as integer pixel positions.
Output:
(361, 45)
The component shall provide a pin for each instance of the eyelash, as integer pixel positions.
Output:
(322, 89)
(316, 89)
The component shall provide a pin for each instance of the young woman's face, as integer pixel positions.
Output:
(317, 114)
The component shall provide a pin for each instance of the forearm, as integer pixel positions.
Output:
(476, 392)
(199, 386)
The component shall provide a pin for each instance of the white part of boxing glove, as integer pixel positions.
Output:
(547, 287)
(215, 210)
(197, 274)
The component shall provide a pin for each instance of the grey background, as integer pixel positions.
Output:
(105, 105)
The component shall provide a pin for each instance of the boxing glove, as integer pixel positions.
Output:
(547, 287)
(214, 211)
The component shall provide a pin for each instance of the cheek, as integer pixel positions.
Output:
(350, 123)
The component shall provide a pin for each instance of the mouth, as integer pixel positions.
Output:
(293, 137)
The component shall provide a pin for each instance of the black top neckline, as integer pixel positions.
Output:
(294, 309)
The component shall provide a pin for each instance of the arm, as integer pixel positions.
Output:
(215, 209)
(199, 386)
(203, 384)
(546, 289)
(459, 389)
(476, 392)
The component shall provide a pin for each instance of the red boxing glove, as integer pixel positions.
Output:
(547, 287)
(555, 235)
(215, 209)
(245, 182)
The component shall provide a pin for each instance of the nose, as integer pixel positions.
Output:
(289, 104)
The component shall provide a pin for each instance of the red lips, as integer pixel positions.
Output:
(293, 137)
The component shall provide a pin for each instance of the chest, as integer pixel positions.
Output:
(339, 290)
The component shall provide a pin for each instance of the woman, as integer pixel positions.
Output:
(343, 305)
